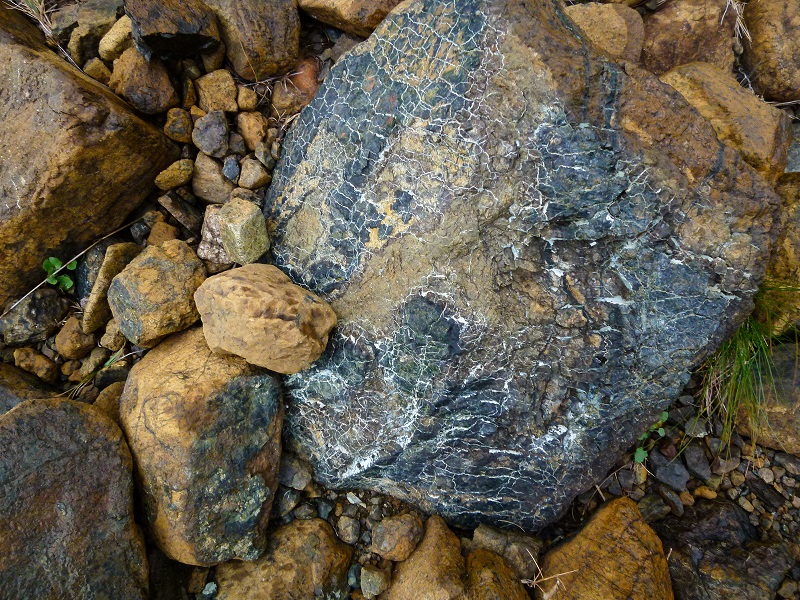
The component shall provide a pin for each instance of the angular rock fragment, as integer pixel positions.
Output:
(359, 17)
(176, 28)
(208, 181)
(395, 538)
(118, 39)
(210, 134)
(96, 311)
(217, 91)
(36, 363)
(616, 29)
(144, 83)
(177, 174)
(295, 92)
(253, 175)
(185, 213)
(210, 248)
(35, 318)
(66, 493)
(529, 247)
(520, 551)
(179, 125)
(79, 27)
(243, 231)
(490, 578)
(204, 430)
(256, 312)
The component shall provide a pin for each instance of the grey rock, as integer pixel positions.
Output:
(254, 174)
(211, 248)
(348, 529)
(695, 458)
(96, 311)
(670, 472)
(519, 266)
(294, 473)
(17, 386)
(35, 318)
(286, 499)
(671, 498)
(236, 144)
(186, 214)
(210, 134)
(765, 492)
(305, 511)
(793, 164)
(788, 462)
(653, 508)
(230, 168)
(374, 581)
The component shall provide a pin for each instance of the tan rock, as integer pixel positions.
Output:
(247, 99)
(761, 133)
(117, 40)
(179, 125)
(616, 29)
(97, 312)
(489, 577)
(108, 400)
(242, 231)
(394, 538)
(177, 174)
(204, 430)
(772, 58)
(145, 84)
(97, 70)
(253, 174)
(252, 126)
(375, 580)
(217, 91)
(112, 338)
(161, 232)
(37, 363)
(72, 342)
(359, 17)
(214, 60)
(196, 113)
(256, 312)
(434, 570)
(85, 167)
(684, 31)
(520, 550)
(304, 559)
(296, 91)
(615, 556)
(152, 296)
(208, 181)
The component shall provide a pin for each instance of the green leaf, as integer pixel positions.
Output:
(65, 282)
(51, 264)
(640, 455)
(51, 279)
(73, 265)
(661, 432)
(664, 416)
(644, 436)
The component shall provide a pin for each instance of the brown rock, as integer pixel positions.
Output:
(34, 362)
(152, 296)
(117, 40)
(760, 132)
(394, 538)
(489, 577)
(205, 432)
(434, 570)
(616, 29)
(772, 58)
(615, 556)
(256, 312)
(247, 99)
(161, 232)
(112, 338)
(684, 31)
(211, 248)
(304, 559)
(253, 175)
(67, 529)
(208, 181)
(97, 312)
(84, 161)
(179, 125)
(97, 70)
(108, 400)
(215, 59)
(217, 91)
(145, 84)
(521, 551)
(17, 386)
(186, 214)
(293, 93)
(178, 28)
(252, 127)
(72, 342)
(262, 38)
(359, 17)
(177, 174)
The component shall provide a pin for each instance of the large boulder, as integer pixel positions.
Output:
(74, 161)
(66, 496)
(528, 247)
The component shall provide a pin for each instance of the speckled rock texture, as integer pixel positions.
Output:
(528, 247)
(359, 17)
(66, 496)
(153, 296)
(615, 556)
(34, 318)
(256, 312)
(490, 578)
(304, 559)
(204, 430)
(76, 155)
(96, 311)
(17, 386)
(616, 29)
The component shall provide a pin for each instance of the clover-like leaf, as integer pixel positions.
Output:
(640, 455)
(51, 264)
(73, 265)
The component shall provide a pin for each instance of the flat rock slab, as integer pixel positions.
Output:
(74, 160)
(66, 496)
(528, 247)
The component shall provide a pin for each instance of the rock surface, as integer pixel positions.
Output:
(490, 578)
(304, 559)
(96, 311)
(17, 386)
(359, 17)
(615, 556)
(75, 154)
(256, 312)
(35, 318)
(177, 28)
(66, 495)
(522, 283)
(208, 181)
(153, 296)
(395, 538)
(242, 231)
(204, 430)
(295, 92)
(760, 132)
(616, 29)
(144, 83)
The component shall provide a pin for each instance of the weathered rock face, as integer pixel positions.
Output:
(173, 27)
(66, 496)
(490, 578)
(73, 166)
(616, 29)
(615, 556)
(359, 17)
(17, 386)
(525, 253)
(204, 430)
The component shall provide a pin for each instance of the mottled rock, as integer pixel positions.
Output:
(211, 248)
(177, 28)
(242, 231)
(616, 555)
(616, 29)
(684, 31)
(252, 126)
(296, 91)
(108, 401)
(96, 311)
(262, 38)
(395, 538)
(97, 70)
(211, 132)
(144, 83)
(204, 430)
(246, 98)
(294, 473)
(177, 174)
(521, 551)
(217, 91)
(79, 27)
(35, 318)
(304, 559)
(112, 338)
(17, 386)
(152, 296)
(715, 553)
(374, 580)
(208, 182)
(359, 17)
(772, 56)
(67, 501)
(75, 155)
(489, 577)
(434, 570)
(253, 175)
(256, 312)
(348, 529)
(36, 363)
(760, 132)
(179, 125)
(117, 40)
(528, 258)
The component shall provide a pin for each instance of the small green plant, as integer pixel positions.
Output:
(52, 266)
(645, 441)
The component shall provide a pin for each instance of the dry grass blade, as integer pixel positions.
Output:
(39, 11)
(740, 28)
(539, 578)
